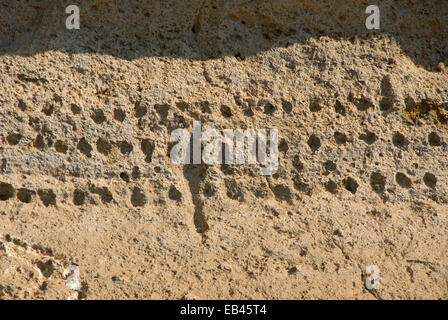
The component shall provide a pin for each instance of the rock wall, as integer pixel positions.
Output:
(86, 177)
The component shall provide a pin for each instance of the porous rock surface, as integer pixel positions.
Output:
(86, 178)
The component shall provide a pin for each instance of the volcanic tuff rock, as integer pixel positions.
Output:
(86, 178)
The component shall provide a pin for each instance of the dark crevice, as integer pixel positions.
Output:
(195, 174)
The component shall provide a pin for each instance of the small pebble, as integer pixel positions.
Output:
(293, 270)
(338, 232)
(72, 281)
(372, 274)
(225, 266)
(190, 296)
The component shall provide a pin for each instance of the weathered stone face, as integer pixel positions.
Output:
(201, 29)
(85, 169)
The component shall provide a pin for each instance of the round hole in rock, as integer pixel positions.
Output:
(331, 187)
(378, 182)
(340, 138)
(403, 181)
(60, 147)
(314, 142)
(430, 180)
(351, 184)
(138, 198)
(98, 116)
(434, 139)
(7, 191)
(174, 194)
(399, 140)
(25, 195)
(226, 111)
(47, 196)
(13, 139)
(79, 197)
(125, 177)
(119, 115)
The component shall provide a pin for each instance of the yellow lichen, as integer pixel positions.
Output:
(422, 109)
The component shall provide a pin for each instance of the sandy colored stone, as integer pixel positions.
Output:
(86, 178)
